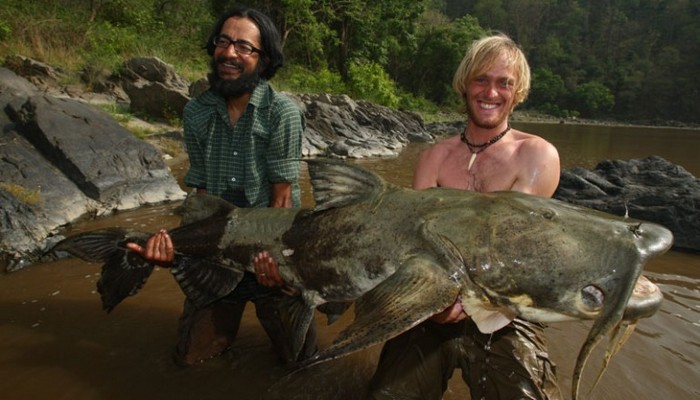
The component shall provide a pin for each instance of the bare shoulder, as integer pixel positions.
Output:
(431, 162)
(538, 165)
(441, 149)
(535, 146)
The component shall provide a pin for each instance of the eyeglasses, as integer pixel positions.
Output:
(241, 46)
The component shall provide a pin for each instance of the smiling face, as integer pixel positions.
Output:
(234, 74)
(490, 95)
(492, 78)
(229, 63)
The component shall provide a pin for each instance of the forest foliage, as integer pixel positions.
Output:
(629, 60)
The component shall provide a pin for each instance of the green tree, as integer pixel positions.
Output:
(594, 99)
(547, 92)
(428, 70)
(369, 81)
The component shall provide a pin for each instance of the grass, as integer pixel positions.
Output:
(23, 195)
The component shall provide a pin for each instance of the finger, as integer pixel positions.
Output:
(169, 248)
(150, 247)
(259, 267)
(135, 248)
(457, 315)
(273, 270)
(162, 244)
(165, 247)
(258, 264)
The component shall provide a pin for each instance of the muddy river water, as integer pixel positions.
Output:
(57, 343)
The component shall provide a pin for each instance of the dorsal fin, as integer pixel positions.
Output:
(199, 206)
(338, 184)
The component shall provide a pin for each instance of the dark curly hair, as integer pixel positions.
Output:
(270, 38)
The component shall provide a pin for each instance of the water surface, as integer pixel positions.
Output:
(56, 342)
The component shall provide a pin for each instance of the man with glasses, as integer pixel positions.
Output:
(243, 140)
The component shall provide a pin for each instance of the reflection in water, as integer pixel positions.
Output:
(56, 342)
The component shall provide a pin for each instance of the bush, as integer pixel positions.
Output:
(297, 79)
(109, 45)
(594, 99)
(370, 82)
(407, 101)
(5, 30)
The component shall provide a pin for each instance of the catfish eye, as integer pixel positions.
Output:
(592, 297)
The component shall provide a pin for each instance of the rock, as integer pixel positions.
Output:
(40, 74)
(102, 81)
(35, 199)
(651, 189)
(62, 159)
(340, 126)
(154, 88)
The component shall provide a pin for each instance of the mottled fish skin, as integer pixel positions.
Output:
(402, 255)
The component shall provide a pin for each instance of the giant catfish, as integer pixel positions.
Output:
(401, 256)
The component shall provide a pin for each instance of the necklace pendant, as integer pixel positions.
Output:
(471, 161)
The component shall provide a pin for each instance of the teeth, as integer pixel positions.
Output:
(488, 106)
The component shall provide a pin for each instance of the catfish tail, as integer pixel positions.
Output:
(123, 272)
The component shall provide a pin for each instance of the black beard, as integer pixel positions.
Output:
(232, 88)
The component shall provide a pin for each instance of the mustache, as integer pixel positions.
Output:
(224, 60)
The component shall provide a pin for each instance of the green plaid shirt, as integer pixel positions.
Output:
(264, 147)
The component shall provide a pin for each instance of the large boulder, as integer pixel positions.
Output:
(154, 88)
(651, 189)
(62, 159)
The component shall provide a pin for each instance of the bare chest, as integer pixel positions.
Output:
(488, 173)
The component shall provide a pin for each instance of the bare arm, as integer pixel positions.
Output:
(281, 195)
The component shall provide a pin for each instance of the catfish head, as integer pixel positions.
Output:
(544, 260)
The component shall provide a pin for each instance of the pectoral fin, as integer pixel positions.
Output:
(123, 273)
(296, 317)
(204, 280)
(410, 296)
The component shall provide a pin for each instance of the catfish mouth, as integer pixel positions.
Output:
(645, 301)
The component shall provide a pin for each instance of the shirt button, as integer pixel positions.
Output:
(235, 153)
(233, 179)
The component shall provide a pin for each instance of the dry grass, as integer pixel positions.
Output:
(23, 195)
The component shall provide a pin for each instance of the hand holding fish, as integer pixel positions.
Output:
(266, 270)
(451, 314)
(158, 249)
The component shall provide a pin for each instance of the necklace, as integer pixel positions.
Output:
(478, 148)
